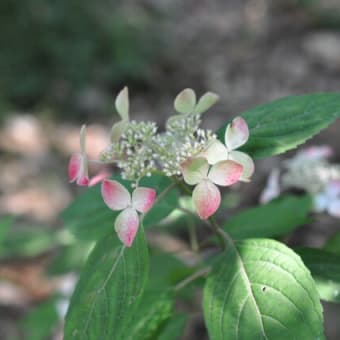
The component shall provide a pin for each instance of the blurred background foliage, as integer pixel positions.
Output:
(52, 50)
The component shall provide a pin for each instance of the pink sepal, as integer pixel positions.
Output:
(143, 199)
(206, 198)
(225, 173)
(126, 225)
(115, 195)
(77, 169)
(237, 133)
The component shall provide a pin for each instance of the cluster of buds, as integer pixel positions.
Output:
(138, 149)
(311, 171)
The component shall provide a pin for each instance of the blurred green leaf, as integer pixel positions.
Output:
(260, 289)
(75, 44)
(333, 244)
(41, 321)
(109, 290)
(28, 242)
(325, 268)
(174, 328)
(272, 219)
(70, 258)
(154, 310)
(283, 124)
(5, 224)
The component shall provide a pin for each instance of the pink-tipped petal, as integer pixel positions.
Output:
(115, 195)
(103, 174)
(126, 225)
(206, 198)
(225, 173)
(215, 152)
(334, 208)
(143, 199)
(83, 180)
(236, 134)
(194, 170)
(74, 166)
(83, 173)
(246, 162)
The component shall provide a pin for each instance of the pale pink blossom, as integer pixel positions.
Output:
(236, 135)
(117, 197)
(78, 165)
(206, 195)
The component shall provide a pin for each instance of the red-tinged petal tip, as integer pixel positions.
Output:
(246, 162)
(74, 166)
(126, 226)
(143, 199)
(225, 173)
(206, 198)
(83, 181)
(237, 133)
(115, 195)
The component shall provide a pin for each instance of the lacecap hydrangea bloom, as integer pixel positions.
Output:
(183, 151)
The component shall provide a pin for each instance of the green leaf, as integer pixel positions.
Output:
(285, 123)
(41, 321)
(69, 258)
(109, 290)
(333, 244)
(5, 224)
(88, 217)
(166, 200)
(156, 306)
(325, 268)
(260, 289)
(27, 242)
(174, 328)
(154, 310)
(270, 220)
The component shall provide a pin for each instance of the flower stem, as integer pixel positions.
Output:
(193, 277)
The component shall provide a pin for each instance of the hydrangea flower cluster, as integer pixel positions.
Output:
(138, 149)
(310, 171)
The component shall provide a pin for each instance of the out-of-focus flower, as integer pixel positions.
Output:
(117, 197)
(272, 188)
(206, 195)
(311, 171)
(236, 135)
(78, 167)
(329, 199)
